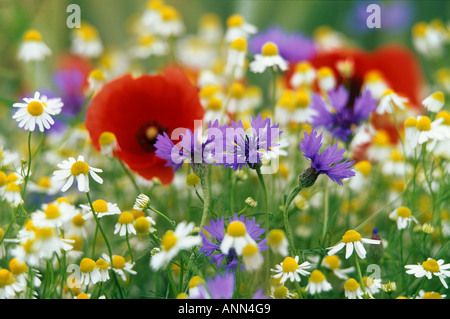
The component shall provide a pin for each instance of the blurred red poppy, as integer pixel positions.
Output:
(136, 110)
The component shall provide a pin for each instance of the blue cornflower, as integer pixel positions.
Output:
(228, 243)
(341, 116)
(329, 162)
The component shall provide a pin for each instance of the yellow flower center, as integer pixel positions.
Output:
(351, 285)
(445, 116)
(3, 179)
(214, 104)
(302, 67)
(316, 276)
(351, 236)
(12, 187)
(155, 4)
(192, 179)
(11, 178)
(410, 122)
(196, 281)
(35, 108)
(289, 264)
(142, 225)
(83, 296)
(100, 206)
(424, 124)
(78, 242)
(97, 75)
(269, 49)
(1, 233)
(431, 265)
(419, 29)
(381, 138)
(209, 20)
(79, 167)
(431, 295)
(332, 261)
(87, 265)
(302, 98)
(101, 264)
(6, 278)
(61, 200)
(168, 240)
(151, 132)
(17, 267)
(324, 72)
(52, 211)
(368, 281)
(107, 138)
(32, 35)
(249, 250)
(236, 229)
(388, 92)
(126, 218)
(364, 167)
(373, 76)
(88, 32)
(118, 261)
(239, 44)
(44, 233)
(235, 20)
(280, 292)
(276, 236)
(182, 295)
(78, 220)
(404, 212)
(237, 90)
(169, 13)
(396, 156)
(44, 182)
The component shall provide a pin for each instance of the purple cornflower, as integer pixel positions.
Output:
(341, 115)
(70, 89)
(293, 47)
(212, 246)
(247, 147)
(329, 162)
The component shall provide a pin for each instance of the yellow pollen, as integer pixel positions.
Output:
(302, 67)
(280, 292)
(214, 104)
(169, 13)
(142, 225)
(87, 265)
(192, 179)
(100, 206)
(45, 232)
(235, 20)
(445, 116)
(431, 265)
(78, 168)
(44, 182)
(118, 261)
(35, 108)
(126, 218)
(249, 250)
(289, 264)
(410, 122)
(12, 187)
(276, 237)
(404, 212)
(196, 281)
(364, 167)
(239, 44)
(101, 264)
(396, 156)
(269, 49)
(78, 220)
(151, 132)
(6, 278)
(351, 236)
(17, 267)
(419, 29)
(316, 276)
(324, 72)
(302, 98)
(236, 229)
(332, 261)
(381, 138)
(169, 240)
(424, 124)
(32, 35)
(351, 285)
(52, 211)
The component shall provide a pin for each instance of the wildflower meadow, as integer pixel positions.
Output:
(246, 149)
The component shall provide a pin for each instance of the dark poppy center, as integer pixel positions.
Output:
(147, 134)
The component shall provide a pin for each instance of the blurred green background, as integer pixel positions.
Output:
(111, 17)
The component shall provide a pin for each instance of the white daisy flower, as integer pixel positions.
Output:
(372, 285)
(269, 58)
(278, 242)
(32, 47)
(375, 82)
(148, 45)
(352, 289)
(389, 100)
(403, 217)
(210, 28)
(144, 225)
(53, 214)
(236, 56)
(152, 15)
(120, 266)
(352, 241)
(427, 130)
(172, 242)
(304, 75)
(9, 287)
(429, 39)
(103, 269)
(7, 157)
(125, 225)
(237, 27)
(86, 41)
(434, 102)
(89, 272)
(361, 178)
(395, 164)
(326, 79)
(20, 272)
(11, 193)
(101, 208)
(290, 269)
(76, 169)
(96, 80)
(430, 295)
(252, 257)
(317, 283)
(34, 112)
(197, 287)
(45, 185)
(429, 268)
(236, 237)
(302, 112)
(170, 24)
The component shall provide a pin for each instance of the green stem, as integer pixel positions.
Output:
(418, 288)
(27, 177)
(206, 199)
(358, 268)
(129, 247)
(266, 200)
(171, 222)
(128, 173)
(286, 219)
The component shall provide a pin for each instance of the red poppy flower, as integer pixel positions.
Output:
(136, 110)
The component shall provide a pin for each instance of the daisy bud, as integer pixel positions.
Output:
(389, 287)
(251, 202)
(427, 229)
(142, 201)
(192, 179)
